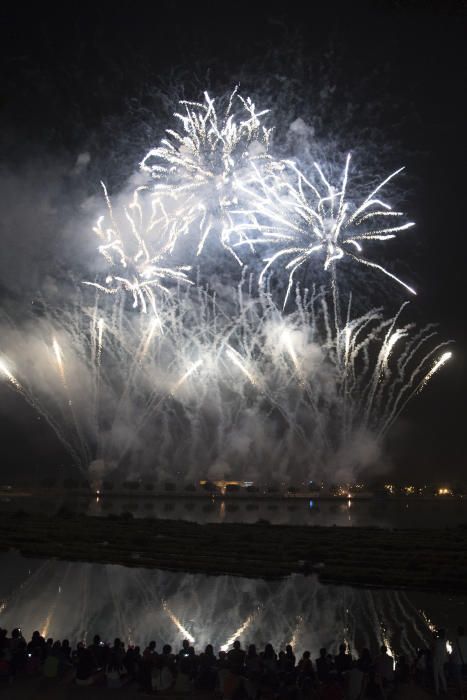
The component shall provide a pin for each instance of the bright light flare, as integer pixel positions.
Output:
(445, 357)
(176, 621)
(187, 375)
(59, 358)
(238, 362)
(11, 378)
(238, 632)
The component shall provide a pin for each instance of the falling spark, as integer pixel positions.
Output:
(11, 378)
(187, 375)
(59, 357)
(431, 626)
(442, 361)
(298, 626)
(154, 325)
(100, 334)
(382, 367)
(237, 360)
(177, 622)
(243, 627)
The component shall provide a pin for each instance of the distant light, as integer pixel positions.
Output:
(444, 492)
(312, 504)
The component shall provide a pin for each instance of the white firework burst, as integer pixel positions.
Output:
(135, 246)
(200, 170)
(310, 217)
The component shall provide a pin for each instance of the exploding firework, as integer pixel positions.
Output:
(135, 248)
(219, 175)
(203, 388)
(219, 376)
(309, 217)
(199, 175)
(201, 170)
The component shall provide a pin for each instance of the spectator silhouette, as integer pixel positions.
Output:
(343, 660)
(323, 665)
(459, 658)
(439, 658)
(236, 658)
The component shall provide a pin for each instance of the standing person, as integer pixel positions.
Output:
(384, 670)
(99, 652)
(420, 667)
(439, 657)
(236, 658)
(289, 658)
(343, 660)
(147, 665)
(459, 658)
(184, 651)
(355, 681)
(323, 665)
(207, 670)
(306, 679)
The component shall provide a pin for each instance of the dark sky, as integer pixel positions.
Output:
(70, 75)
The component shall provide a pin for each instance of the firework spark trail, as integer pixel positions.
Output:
(290, 365)
(136, 367)
(39, 408)
(401, 400)
(45, 627)
(296, 632)
(186, 376)
(143, 271)
(199, 170)
(24, 586)
(11, 378)
(438, 364)
(293, 211)
(155, 402)
(241, 629)
(311, 378)
(177, 622)
(238, 362)
(61, 368)
(391, 338)
(121, 625)
(97, 326)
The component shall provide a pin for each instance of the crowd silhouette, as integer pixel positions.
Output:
(237, 673)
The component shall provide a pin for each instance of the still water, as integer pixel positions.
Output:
(435, 512)
(77, 600)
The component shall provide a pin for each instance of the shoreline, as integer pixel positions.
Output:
(200, 496)
(409, 559)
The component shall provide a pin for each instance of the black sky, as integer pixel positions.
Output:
(73, 71)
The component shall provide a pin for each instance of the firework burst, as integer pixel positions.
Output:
(201, 169)
(300, 218)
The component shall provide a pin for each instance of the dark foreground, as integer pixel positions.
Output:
(33, 688)
(54, 668)
(59, 690)
(417, 559)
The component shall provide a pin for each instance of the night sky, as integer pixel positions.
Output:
(83, 79)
